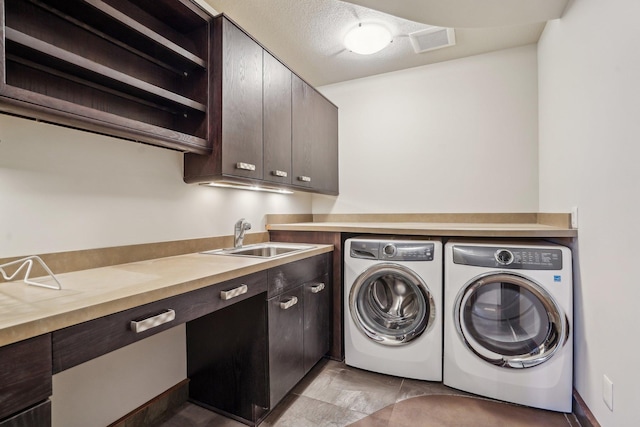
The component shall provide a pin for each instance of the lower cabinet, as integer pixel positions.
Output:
(26, 383)
(37, 416)
(242, 360)
(317, 321)
(298, 334)
(286, 365)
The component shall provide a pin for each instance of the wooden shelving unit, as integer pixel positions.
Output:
(137, 69)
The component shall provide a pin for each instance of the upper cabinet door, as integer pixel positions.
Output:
(326, 148)
(241, 133)
(303, 130)
(315, 140)
(277, 121)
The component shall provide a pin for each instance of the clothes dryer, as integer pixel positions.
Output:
(393, 306)
(507, 328)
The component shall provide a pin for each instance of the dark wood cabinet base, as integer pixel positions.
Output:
(336, 351)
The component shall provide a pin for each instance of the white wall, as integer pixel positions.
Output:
(98, 392)
(458, 136)
(589, 65)
(62, 189)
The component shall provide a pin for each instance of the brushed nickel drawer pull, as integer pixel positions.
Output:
(166, 316)
(288, 304)
(304, 178)
(281, 174)
(317, 288)
(245, 166)
(236, 292)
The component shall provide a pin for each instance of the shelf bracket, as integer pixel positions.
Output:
(28, 263)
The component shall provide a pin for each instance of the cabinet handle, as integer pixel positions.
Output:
(317, 288)
(288, 304)
(245, 166)
(281, 174)
(166, 316)
(304, 178)
(236, 292)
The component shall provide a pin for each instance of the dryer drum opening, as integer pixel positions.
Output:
(509, 320)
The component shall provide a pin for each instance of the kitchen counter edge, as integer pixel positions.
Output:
(88, 294)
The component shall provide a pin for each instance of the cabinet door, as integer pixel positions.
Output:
(285, 343)
(277, 121)
(326, 147)
(315, 140)
(241, 103)
(317, 321)
(25, 374)
(302, 123)
(37, 416)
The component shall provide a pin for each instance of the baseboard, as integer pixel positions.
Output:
(152, 412)
(582, 412)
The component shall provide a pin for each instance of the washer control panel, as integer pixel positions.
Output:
(509, 257)
(392, 251)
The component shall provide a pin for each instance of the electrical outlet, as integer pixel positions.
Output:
(607, 392)
(574, 217)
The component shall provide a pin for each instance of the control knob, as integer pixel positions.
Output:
(389, 249)
(504, 257)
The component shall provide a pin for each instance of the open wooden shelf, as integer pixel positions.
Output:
(130, 68)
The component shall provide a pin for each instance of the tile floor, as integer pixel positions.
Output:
(335, 395)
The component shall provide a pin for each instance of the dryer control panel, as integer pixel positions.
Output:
(392, 250)
(521, 258)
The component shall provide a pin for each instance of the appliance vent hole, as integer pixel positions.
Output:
(432, 38)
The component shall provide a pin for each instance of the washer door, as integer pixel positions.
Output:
(391, 305)
(509, 320)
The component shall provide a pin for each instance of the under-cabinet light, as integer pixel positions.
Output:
(240, 186)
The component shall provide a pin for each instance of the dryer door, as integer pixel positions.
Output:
(509, 320)
(391, 304)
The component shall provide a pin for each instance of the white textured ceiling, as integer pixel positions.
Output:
(307, 35)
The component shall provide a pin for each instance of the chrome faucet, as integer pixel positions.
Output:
(238, 231)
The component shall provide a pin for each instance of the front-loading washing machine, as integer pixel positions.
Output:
(508, 322)
(392, 306)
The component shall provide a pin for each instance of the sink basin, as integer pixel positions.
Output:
(261, 250)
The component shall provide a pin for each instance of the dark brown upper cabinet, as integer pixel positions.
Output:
(238, 101)
(236, 89)
(135, 69)
(277, 121)
(315, 140)
(265, 133)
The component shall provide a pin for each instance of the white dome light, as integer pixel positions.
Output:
(366, 39)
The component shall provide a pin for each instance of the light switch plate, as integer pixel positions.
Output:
(607, 392)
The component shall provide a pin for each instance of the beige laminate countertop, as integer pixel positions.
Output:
(432, 229)
(29, 311)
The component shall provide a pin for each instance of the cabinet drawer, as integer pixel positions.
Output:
(25, 374)
(288, 276)
(85, 341)
(39, 415)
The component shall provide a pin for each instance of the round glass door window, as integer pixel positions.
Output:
(509, 320)
(391, 304)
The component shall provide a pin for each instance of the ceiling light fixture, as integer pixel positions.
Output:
(366, 39)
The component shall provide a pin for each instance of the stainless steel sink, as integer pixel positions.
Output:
(261, 250)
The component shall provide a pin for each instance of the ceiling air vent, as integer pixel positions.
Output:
(432, 38)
